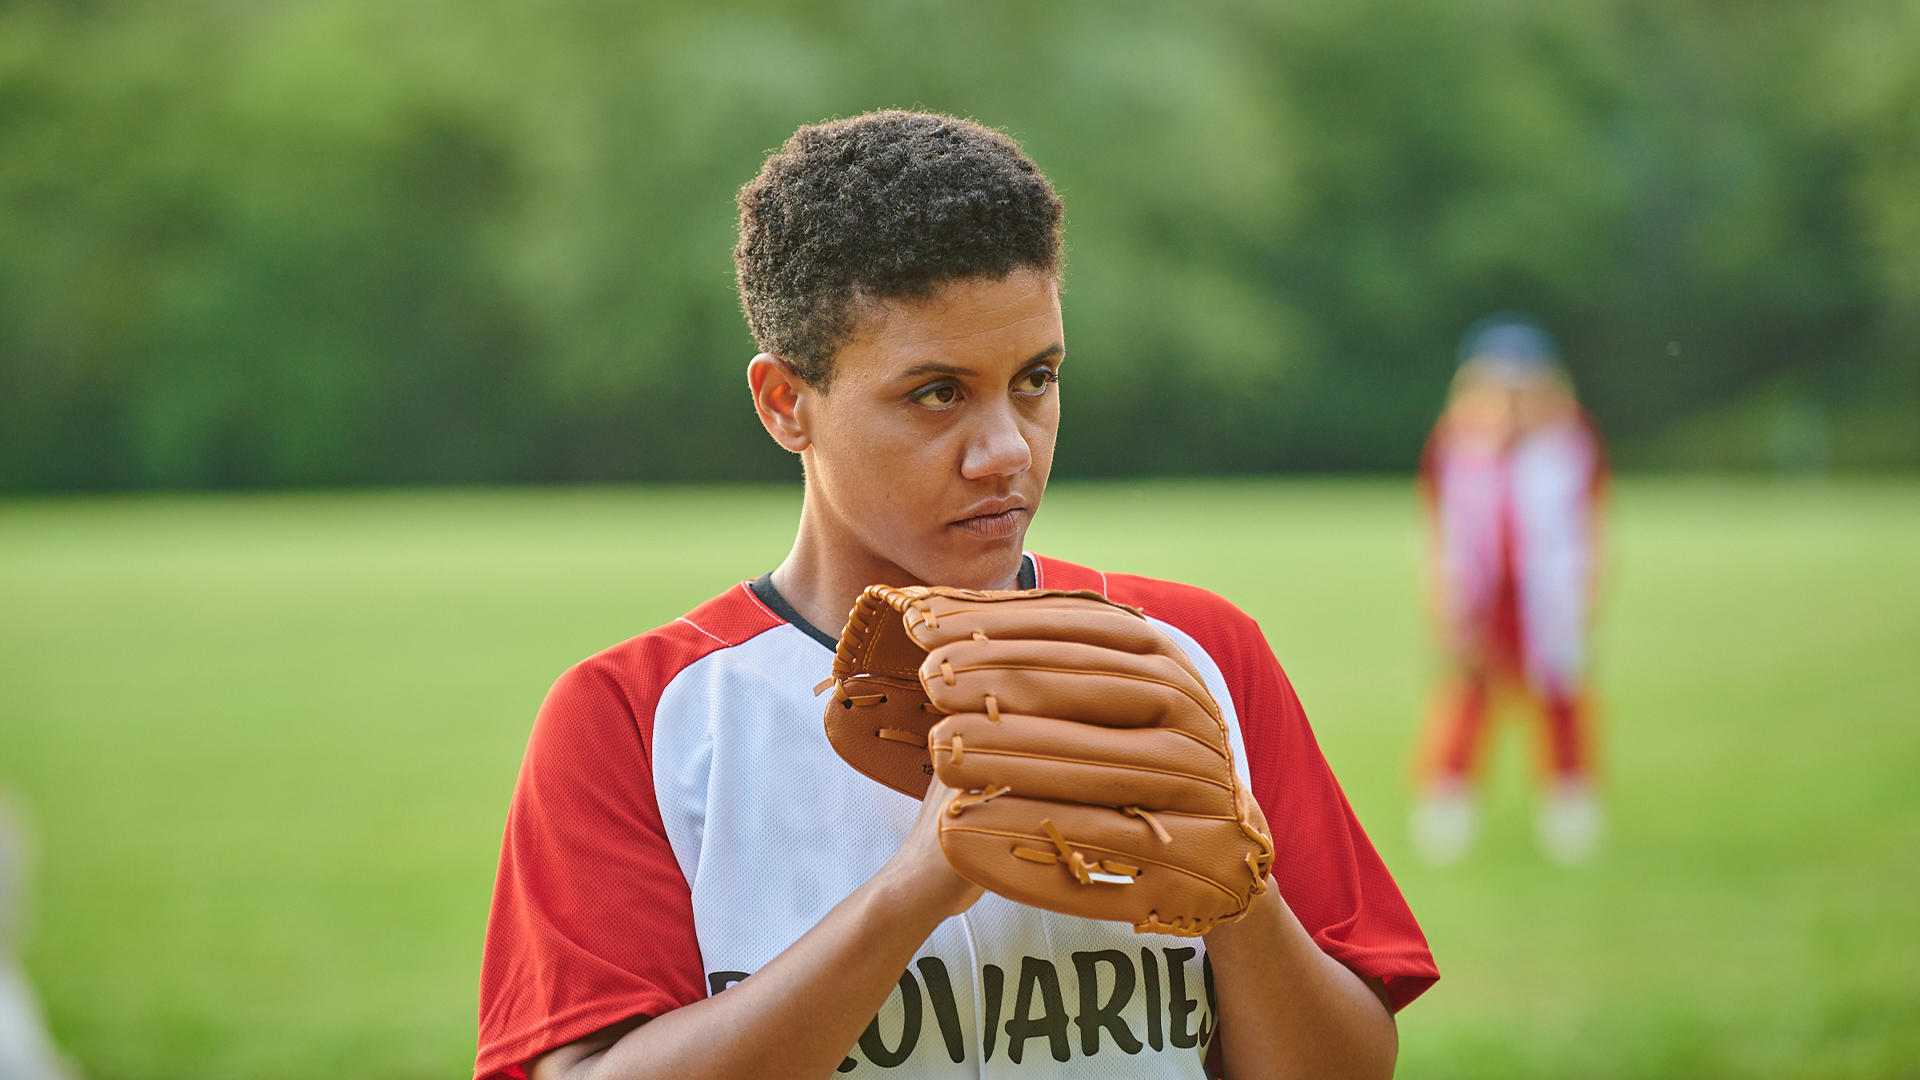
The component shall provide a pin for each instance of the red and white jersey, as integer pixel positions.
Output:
(680, 819)
(1514, 525)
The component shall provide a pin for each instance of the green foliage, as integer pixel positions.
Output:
(338, 241)
(268, 743)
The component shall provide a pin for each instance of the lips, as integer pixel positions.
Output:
(994, 522)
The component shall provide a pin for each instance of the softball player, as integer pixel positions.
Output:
(693, 884)
(1514, 475)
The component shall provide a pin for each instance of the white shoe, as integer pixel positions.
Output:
(26, 1052)
(1443, 825)
(1569, 823)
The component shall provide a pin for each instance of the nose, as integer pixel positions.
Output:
(997, 446)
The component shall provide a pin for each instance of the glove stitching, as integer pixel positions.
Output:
(1116, 766)
(1187, 871)
(948, 671)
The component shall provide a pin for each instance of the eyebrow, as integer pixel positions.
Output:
(934, 367)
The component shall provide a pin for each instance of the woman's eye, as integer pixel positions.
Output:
(1035, 382)
(937, 397)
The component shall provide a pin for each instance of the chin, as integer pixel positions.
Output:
(984, 567)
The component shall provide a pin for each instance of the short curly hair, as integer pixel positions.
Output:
(887, 205)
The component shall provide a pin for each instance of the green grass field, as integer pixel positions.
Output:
(266, 744)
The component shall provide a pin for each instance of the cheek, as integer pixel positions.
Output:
(1041, 433)
(901, 455)
(889, 470)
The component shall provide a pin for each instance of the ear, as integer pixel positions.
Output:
(778, 391)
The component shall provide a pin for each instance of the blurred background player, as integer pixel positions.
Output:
(1513, 477)
(26, 1052)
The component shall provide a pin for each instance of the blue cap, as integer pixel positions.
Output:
(1510, 342)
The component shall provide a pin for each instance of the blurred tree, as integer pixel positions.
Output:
(338, 241)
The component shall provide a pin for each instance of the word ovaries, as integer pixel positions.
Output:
(1170, 1019)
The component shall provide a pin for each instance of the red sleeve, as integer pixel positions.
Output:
(1324, 865)
(592, 920)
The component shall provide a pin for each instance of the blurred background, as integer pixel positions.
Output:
(363, 365)
(345, 242)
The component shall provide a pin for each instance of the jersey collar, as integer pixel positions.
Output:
(762, 587)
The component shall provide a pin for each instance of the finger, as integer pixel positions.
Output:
(1036, 757)
(1067, 680)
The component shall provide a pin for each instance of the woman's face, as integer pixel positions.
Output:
(931, 450)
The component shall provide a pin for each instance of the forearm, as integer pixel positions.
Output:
(1289, 1010)
(794, 1018)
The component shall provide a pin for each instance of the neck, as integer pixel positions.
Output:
(822, 579)
(829, 566)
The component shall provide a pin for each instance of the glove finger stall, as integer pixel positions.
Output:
(1157, 769)
(1069, 681)
(1062, 618)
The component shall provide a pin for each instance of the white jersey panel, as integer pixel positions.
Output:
(1552, 479)
(772, 829)
(750, 790)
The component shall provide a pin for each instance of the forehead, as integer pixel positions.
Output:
(970, 321)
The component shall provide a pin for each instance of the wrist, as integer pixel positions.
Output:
(918, 880)
(1268, 925)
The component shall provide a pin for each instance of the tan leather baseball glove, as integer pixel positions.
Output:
(1095, 774)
